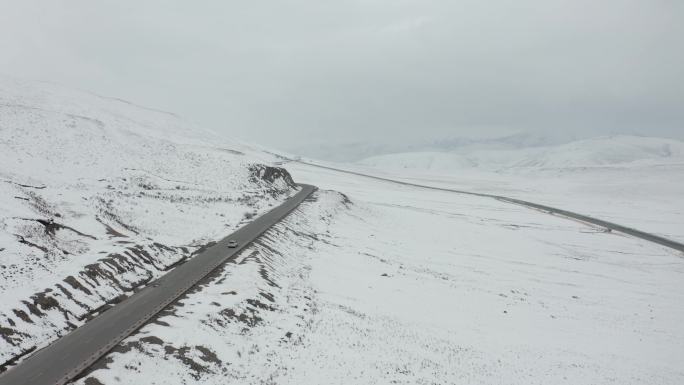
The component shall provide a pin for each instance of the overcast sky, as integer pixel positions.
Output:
(281, 73)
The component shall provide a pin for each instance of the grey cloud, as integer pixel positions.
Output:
(285, 72)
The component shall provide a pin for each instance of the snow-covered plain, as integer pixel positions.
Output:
(99, 196)
(397, 284)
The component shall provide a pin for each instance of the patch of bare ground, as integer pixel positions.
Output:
(97, 287)
(276, 180)
(198, 360)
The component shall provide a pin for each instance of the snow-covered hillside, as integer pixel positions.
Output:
(99, 196)
(596, 152)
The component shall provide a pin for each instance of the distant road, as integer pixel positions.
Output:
(70, 355)
(551, 210)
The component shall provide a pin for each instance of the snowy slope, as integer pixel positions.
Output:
(98, 196)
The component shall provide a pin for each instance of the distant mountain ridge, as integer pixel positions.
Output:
(528, 152)
(356, 151)
(518, 140)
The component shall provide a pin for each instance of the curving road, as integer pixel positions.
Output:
(70, 355)
(551, 210)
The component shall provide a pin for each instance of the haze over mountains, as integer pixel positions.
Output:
(528, 152)
(454, 149)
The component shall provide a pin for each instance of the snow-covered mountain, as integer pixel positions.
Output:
(606, 151)
(99, 196)
(434, 161)
(348, 152)
(356, 151)
(587, 153)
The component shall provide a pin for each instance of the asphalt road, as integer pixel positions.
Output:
(70, 355)
(548, 209)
